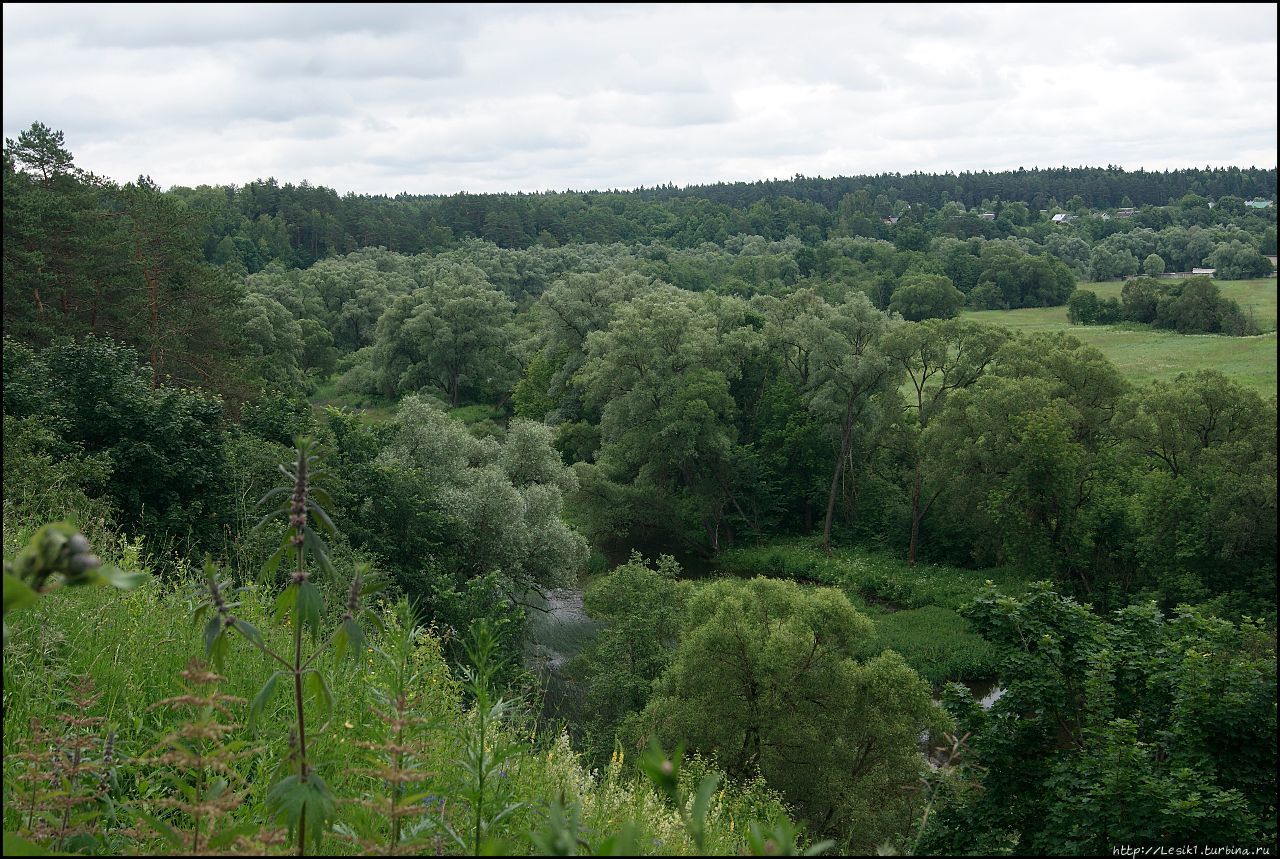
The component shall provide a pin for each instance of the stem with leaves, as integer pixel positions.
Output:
(302, 799)
(396, 760)
(486, 752)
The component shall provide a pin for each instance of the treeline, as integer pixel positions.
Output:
(262, 221)
(1098, 187)
(246, 228)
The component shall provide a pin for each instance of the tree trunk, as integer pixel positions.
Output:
(153, 316)
(846, 437)
(915, 518)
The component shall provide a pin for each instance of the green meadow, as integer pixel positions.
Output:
(1145, 355)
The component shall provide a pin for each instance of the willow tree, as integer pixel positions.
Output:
(767, 678)
(939, 357)
(848, 371)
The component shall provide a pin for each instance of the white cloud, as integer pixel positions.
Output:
(436, 99)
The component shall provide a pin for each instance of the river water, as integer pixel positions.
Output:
(557, 629)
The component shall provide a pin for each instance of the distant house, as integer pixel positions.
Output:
(987, 216)
(1258, 204)
(890, 221)
(1127, 212)
(1209, 272)
(1063, 218)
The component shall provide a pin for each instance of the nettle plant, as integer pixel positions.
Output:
(301, 798)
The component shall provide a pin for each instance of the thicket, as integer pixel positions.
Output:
(1190, 306)
(1137, 727)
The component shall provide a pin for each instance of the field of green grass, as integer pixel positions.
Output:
(377, 408)
(371, 407)
(1145, 355)
(914, 608)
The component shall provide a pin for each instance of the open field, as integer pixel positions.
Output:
(1145, 355)
(369, 406)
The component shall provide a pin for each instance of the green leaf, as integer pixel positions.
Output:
(216, 789)
(340, 641)
(281, 509)
(272, 563)
(355, 634)
(218, 656)
(291, 797)
(349, 638)
(260, 700)
(230, 834)
(84, 843)
(249, 631)
(315, 685)
(17, 846)
(322, 518)
(212, 631)
(318, 550)
(165, 831)
(122, 579)
(662, 771)
(309, 608)
(17, 594)
(285, 602)
(701, 802)
(624, 842)
(274, 493)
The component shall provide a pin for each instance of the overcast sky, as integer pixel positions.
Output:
(440, 99)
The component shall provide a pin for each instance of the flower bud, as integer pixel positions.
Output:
(83, 562)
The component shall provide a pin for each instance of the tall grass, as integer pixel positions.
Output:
(136, 644)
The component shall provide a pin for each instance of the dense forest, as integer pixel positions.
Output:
(851, 568)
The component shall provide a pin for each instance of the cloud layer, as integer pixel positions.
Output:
(440, 99)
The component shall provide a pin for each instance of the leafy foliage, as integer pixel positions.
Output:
(1140, 729)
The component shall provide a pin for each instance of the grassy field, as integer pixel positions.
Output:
(914, 609)
(1145, 355)
(372, 407)
(378, 408)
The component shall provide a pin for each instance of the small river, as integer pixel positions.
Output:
(557, 630)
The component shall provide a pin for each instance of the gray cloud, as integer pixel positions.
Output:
(436, 99)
